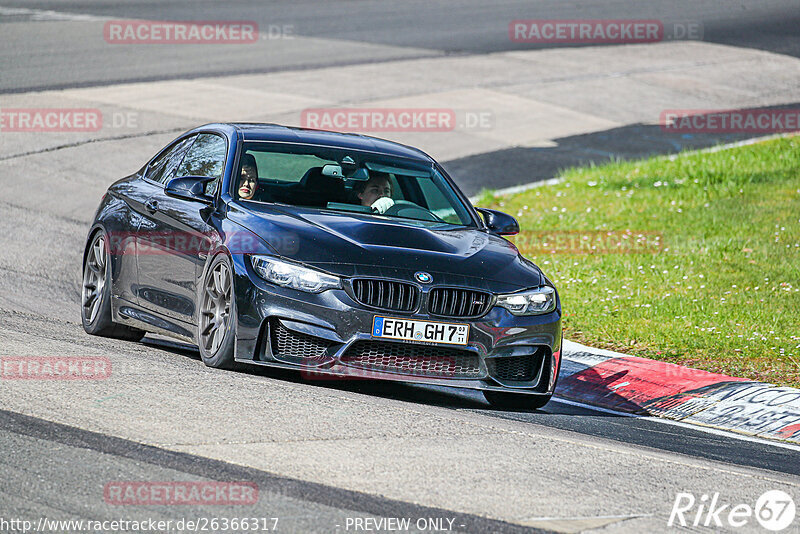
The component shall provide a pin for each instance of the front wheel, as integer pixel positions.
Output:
(515, 401)
(96, 295)
(216, 324)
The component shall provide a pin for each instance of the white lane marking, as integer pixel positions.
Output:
(695, 426)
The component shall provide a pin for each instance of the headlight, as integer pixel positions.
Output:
(532, 302)
(286, 274)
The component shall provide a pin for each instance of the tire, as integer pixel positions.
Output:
(515, 401)
(96, 295)
(216, 315)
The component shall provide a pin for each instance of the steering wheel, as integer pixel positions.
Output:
(409, 210)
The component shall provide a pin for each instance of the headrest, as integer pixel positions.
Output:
(326, 188)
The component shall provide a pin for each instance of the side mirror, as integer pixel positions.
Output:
(190, 188)
(498, 222)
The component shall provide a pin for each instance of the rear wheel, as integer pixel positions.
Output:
(515, 401)
(96, 295)
(216, 325)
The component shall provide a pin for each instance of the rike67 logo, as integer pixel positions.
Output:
(774, 511)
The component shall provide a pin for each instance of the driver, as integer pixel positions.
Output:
(376, 192)
(248, 179)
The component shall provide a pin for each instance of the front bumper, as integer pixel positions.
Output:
(328, 336)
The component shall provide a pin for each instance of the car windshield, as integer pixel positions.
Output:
(347, 180)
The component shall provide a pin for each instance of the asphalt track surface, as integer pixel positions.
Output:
(64, 452)
(76, 462)
(33, 57)
(62, 443)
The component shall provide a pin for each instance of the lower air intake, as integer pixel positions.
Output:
(515, 368)
(416, 360)
(296, 347)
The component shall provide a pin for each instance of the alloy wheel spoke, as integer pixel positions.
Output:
(99, 256)
(216, 341)
(89, 299)
(209, 328)
(207, 341)
(225, 280)
(211, 291)
(215, 309)
(217, 284)
(94, 279)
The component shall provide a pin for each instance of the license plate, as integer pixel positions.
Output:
(427, 331)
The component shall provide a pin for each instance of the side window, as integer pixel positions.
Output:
(206, 158)
(437, 201)
(163, 167)
(285, 168)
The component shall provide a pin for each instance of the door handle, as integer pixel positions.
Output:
(151, 206)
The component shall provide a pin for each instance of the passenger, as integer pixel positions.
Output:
(248, 179)
(376, 192)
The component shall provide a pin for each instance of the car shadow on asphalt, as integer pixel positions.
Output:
(170, 345)
(421, 394)
(431, 395)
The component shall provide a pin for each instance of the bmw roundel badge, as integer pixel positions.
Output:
(423, 277)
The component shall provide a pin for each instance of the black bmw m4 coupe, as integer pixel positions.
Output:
(338, 255)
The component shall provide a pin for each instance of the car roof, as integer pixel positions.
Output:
(254, 131)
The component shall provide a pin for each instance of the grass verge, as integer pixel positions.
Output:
(693, 259)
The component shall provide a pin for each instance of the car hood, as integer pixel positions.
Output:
(364, 245)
